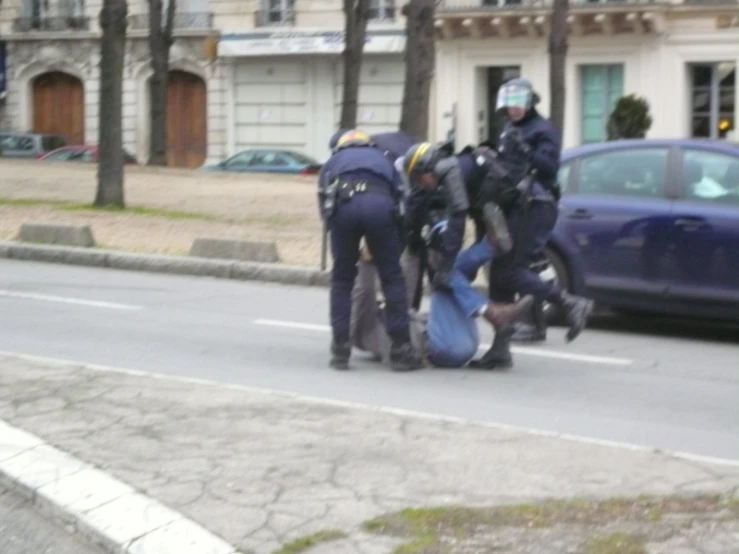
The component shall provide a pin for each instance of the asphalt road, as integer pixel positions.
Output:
(659, 383)
(23, 530)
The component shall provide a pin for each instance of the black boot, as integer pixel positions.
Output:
(403, 357)
(341, 350)
(577, 309)
(531, 326)
(497, 227)
(499, 355)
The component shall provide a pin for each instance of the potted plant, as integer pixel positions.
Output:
(629, 119)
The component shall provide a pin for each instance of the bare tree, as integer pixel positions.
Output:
(558, 45)
(110, 128)
(356, 13)
(420, 53)
(160, 42)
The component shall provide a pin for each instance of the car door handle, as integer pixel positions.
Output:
(580, 213)
(688, 222)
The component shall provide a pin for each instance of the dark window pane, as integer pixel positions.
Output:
(701, 100)
(728, 99)
(701, 127)
(702, 75)
(727, 74)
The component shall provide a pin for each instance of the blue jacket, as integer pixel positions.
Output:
(545, 145)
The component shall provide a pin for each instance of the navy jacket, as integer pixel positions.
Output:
(545, 145)
(361, 162)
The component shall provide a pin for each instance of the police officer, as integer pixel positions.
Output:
(430, 169)
(359, 196)
(531, 147)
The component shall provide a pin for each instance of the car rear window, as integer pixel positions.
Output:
(300, 158)
(50, 143)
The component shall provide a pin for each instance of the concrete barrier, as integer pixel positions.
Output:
(48, 233)
(229, 249)
(158, 263)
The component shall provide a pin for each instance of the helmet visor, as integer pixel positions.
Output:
(513, 96)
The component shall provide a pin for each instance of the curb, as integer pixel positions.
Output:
(103, 509)
(173, 265)
(159, 263)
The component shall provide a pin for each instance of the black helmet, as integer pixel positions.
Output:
(421, 158)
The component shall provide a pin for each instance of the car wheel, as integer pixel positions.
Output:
(552, 313)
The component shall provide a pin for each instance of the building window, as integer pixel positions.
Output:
(600, 88)
(713, 100)
(278, 11)
(381, 9)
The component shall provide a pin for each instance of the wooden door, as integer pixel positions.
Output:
(59, 106)
(186, 120)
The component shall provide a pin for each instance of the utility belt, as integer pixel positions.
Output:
(347, 188)
(342, 189)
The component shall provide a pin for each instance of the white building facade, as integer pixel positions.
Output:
(284, 76)
(680, 55)
(52, 76)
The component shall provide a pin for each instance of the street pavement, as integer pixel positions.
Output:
(650, 382)
(23, 530)
(262, 470)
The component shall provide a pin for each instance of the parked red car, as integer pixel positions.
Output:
(80, 153)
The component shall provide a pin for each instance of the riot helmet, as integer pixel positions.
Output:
(354, 138)
(517, 93)
(421, 158)
(335, 138)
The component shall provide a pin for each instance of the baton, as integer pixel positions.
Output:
(324, 245)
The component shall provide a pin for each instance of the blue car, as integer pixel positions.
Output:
(651, 226)
(260, 160)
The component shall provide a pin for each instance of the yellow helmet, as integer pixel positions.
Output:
(353, 138)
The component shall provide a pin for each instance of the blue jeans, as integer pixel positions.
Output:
(465, 266)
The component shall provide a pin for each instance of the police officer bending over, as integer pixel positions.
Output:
(531, 147)
(360, 195)
(428, 168)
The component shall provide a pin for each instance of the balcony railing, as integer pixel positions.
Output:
(51, 24)
(269, 18)
(492, 5)
(182, 20)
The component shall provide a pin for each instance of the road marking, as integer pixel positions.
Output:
(540, 352)
(69, 300)
(373, 408)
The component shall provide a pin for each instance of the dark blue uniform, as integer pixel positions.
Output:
(507, 278)
(368, 213)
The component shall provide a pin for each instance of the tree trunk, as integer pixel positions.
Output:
(160, 41)
(355, 12)
(110, 129)
(557, 61)
(419, 67)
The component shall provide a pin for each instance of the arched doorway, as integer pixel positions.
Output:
(187, 130)
(59, 106)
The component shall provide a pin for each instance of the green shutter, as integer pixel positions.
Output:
(601, 87)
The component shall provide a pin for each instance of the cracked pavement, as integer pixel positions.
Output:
(262, 469)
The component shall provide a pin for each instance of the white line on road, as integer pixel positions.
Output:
(542, 353)
(69, 300)
(369, 407)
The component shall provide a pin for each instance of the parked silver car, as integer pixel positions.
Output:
(28, 145)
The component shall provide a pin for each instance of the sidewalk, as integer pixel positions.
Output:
(270, 471)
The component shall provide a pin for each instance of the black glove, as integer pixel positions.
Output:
(442, 276)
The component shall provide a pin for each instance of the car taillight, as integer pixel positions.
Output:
(309, 171)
